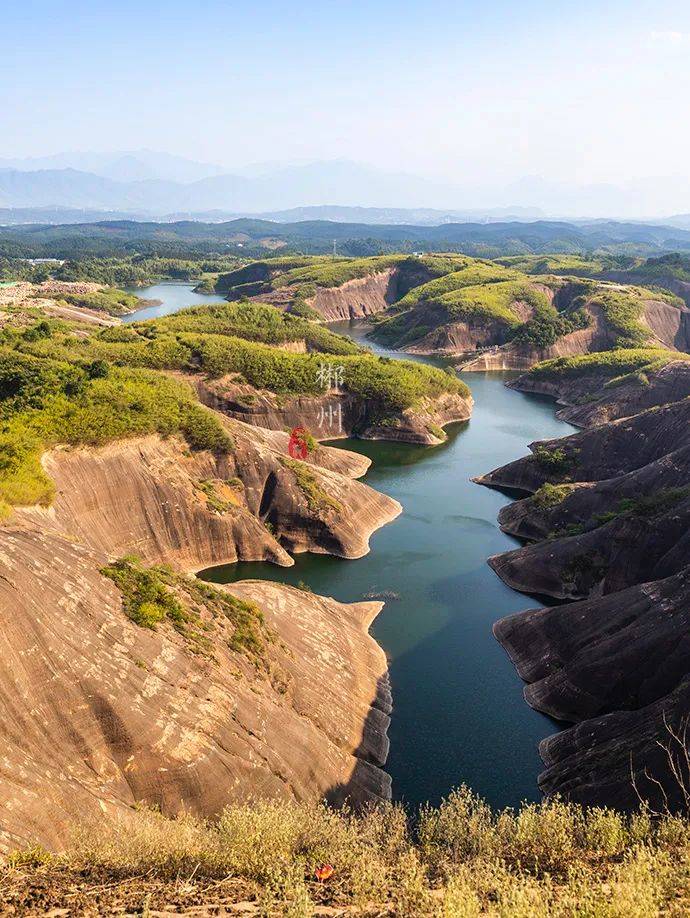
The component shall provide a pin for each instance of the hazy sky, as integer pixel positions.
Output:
(485, 91)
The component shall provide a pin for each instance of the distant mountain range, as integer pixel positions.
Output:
(131, 166)
(245, 236)
(144, 184)
(373, 216)
(334, 183)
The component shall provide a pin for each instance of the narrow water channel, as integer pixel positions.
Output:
(459, 715)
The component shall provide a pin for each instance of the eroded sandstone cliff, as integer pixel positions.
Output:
(608, 525)
(335, 414)
(100, 713)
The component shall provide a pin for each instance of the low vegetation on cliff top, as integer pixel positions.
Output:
(153, 595)
(326, 271)
(61, 384)
(109, 299)
(549, 860)
(613, 363)
(390, 385)
(46, 402)
(253, 322)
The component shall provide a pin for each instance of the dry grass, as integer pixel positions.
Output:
(462, 859)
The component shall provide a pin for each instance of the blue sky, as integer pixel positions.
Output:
(591, 91)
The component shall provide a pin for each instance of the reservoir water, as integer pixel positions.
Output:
(459, 715)
(172, 297)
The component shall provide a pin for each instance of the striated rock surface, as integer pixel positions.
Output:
(333, 415)
(586, 399)
(354, 299)
(669, 324)
(617, 652)
(358, 298)
(195, 510)
(99, 714)
(623, 757)
(517, 356)
(600, 452)
(612, 530)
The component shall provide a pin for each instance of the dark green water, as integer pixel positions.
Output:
(459, 715)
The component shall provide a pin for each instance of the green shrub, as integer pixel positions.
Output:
(553, 460)
(647, 505)
(111, 300)
(470, 273)
(623, 310)
(318, 500)
(252, 322)
(492, 301)
(153, 595)
(550, 495)
(606, 363)
(48, 402)
(334, 272)
(547, 326)
(462, 859)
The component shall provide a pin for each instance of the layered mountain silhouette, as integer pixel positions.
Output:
(157, 184)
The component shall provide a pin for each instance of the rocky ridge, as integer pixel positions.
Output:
(606, 530)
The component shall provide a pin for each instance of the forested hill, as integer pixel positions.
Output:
(249, 235)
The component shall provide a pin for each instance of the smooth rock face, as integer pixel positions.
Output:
(330, 416)
(146, 496)
(517, 356)
(617, 538)
(602, 452)
(99, 713)
(358, 298)
(355, 299)
(587, 401)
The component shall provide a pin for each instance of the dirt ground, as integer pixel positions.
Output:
(60, 891)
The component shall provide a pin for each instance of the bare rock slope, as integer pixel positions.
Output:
(608, 526)
(100, 713)
(334, 415)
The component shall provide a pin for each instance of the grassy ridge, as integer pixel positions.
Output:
(46, 402)
(493, 301)
(308, 273)
(254, 322)
(335, 272)
(461, 860)
(392, 385)
(469, 274)
(89, 389)
(606, 363)
(162, 345)
(111, 300)
(557, 264)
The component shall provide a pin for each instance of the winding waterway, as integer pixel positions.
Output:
(459, 715)
(171, 298)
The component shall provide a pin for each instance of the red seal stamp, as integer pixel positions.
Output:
(297, 445)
